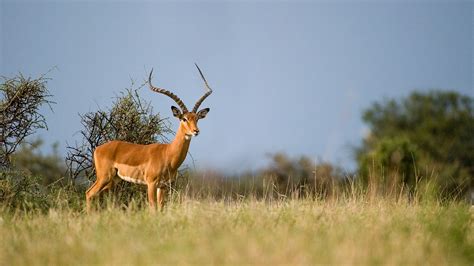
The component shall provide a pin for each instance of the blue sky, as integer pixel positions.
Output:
(287, 76)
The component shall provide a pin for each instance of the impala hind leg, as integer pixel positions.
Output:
(103, 182)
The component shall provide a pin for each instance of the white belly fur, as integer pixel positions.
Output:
(132, 180)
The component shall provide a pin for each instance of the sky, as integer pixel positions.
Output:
(289, 77)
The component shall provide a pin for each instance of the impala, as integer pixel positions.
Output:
(152, 165)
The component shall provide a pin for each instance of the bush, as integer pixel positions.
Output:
(433, 130)
(20, 101)
(19, 191)
(391, 164)
(48, 168)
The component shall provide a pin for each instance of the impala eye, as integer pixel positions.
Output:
(185, 120)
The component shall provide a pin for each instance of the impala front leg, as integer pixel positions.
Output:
(152, 195)
(161, 196)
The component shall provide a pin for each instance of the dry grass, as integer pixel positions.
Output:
(248, 232)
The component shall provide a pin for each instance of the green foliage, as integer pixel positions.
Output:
(20, 100)
(19, 190)
(432, 130)
(48, 167)
(21, 184)
(393, 157)
(130, 118)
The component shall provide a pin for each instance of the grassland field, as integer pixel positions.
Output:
(247, 232)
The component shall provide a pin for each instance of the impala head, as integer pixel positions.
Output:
(188, 120)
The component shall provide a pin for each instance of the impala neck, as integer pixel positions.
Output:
(179, 147)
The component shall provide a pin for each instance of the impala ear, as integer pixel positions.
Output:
(176, 112)
(201, 114)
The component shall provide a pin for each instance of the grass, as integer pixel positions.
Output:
(253, 232)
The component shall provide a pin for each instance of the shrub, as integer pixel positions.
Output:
(438, 126)
(48, 168)
(391, 164)
(19, 191)
(20, 101)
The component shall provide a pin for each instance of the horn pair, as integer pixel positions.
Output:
(176, 98)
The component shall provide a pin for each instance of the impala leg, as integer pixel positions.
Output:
(103, 182)
(93, 191)
(89, 194)
(152, 195)
(161, 194)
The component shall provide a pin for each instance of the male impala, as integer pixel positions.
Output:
(154, 164)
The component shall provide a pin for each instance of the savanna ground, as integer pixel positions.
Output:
(350, 230)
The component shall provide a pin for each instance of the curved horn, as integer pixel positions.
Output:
(167, 93)
(208, 92)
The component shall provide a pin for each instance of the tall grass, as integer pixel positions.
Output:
(342, 231)
(355, 225)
